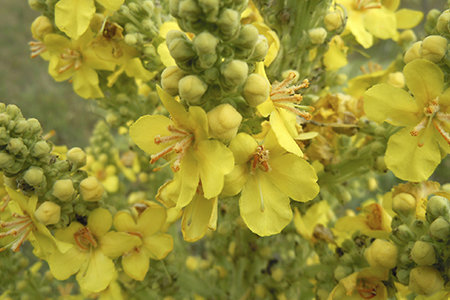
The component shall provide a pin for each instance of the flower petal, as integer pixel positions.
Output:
(86, 84)
(243, 147)
(99, 221)
(408, 18)
(114, 244)
(355, 23)
(263, 207)
(111, 4)
(189, 177)
(159, 245)
(384, 102)
(424, 79)
(136, 264)
(62, 266)
(123, 221)
(283, 135)
(234, 181)
(381, 23)
(152, 219)
(196, 218)
(176, 110)
(98, 273)
(73, 16)
(146, 128)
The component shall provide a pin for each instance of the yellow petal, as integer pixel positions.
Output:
(189, 177)
(98, 274)
(408, 18)
(99, 221)
(355, 23)
(158, 246)
(164, 55)
(214, 161)
(134, 68)
(62, 266)
(123, 221)
(383, 102)
(73, 16)
(179, 115)
(263, 207)
(136, 264)
(196, 218)
(86, 84)
(112, 5)
(381, 23)
(243, 147)
(336, 55)
(283, 135)
(114, 244)
(152, 219)
(235, 180)
(146, 128)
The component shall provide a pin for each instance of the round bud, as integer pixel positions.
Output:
(192, 262)
(406, 37)
(205, 43)
(425, 281)
(48, 213)
(438, 206)
(34, 126)
(189, 10)
(443, 22)
(173, 7)
(40, 149)
(34, 176)
(131, 39)
(396, 79)
(261, 49)
(342, 271)
(210, 9)
(91, 189)
(36, 4)
(6, 160)
(229, 22)
(382, 254)
(277, 274)
(15, 146)
(181, 49)
(13, 111)
(224, 121)
(63, 189)
(21, 126)
(170, 78)
(404, 203)
(440, 229)
(77, 156)
(235, 73)
(191, 89)
(431, 20)
(333, 21)
(248, 36)
(413, 52)
(423, 254)
(434, 48)
(256, 90)
(40, 27)
(317, 35)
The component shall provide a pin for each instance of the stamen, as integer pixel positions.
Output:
(419, 127)
(16, 246)
(261, 159)
(36, 48)
(158, 155)
(177, 130)
(20, 228)
(164, 139)
(302, 114)
(84, 239)
(66, 67)
(442, 131)
(5, 201)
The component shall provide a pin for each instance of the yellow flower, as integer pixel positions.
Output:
(183, 140)
(154, 244)
(317, 214)
(107, 175)
(268, 176)
(94, 247)
(415, 151)
(336, 55)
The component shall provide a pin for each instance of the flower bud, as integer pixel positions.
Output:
(425, 281)
(413, 52)
(6, 160)
(34, 176)
(191, 89)
(317, 35)
(247, 36)
(21, 127)
(333, 21)
(40, 27)
(261, 49)
(36, 5)
(342, 271)
(235, 73)
(63, 189)
(210, 9)
(131, 39)
(16, 146)
(229, 22)
(438, 206)
(34, 126)
(77, 156)
(192, 262)
(224, 121)
(404, 203)
(181, 49)
(4, 119)
(440, 229)
(256, 90)
(205, 43)
(170, 78)
(406, 37)
(434, 48)
(48, 213)
(396, 79)
(381, 253)
(431, 20)
(91, 189)
(403, 233)
(277, 274)
(40, 149)
(189, 10)
(423, 254)
(443, 22)
(13, 111)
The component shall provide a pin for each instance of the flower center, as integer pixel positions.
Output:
(283, 96)
(367, 290)
(366, 4)
(36, 48)
(19, 228)
(434, 116)
(84, 239)
(180, 141)
(374, 218)
(261, 160)
(72, 59)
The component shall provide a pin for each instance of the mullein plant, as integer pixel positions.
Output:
(215, 115)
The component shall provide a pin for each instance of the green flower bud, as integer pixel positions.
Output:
(91, 189)
(48, 213)
(77, 156)
(423, 254)
(443, 22)
(333, 20)
(16, 146)
(189, 10)
(403, 275)
(404, 203)
(6, 160)
(438, 206)
(173, 7)
(425, 281)
(260, 50)
(4, 136)
(382, 254)
(256, 90)
(205, 43)
(229, 22)
(40, 149)
(440, 229)
(36, 5)
(277, 274)
(191, 89)
(403, 233)
(342, 271)
(40, 27)
(148, 6)
(63, 189)
(434, 48)
(4, 119)
(317, 35)
(235, 73)
(431, 20)
(13, 111)
(406, 37)
(134, 8)
(170, 78)
(224, 121)
(34, 126)
(181, 49)
(247, 36)
(210, 9)
(413, 52)
(21, 127)
(34, 176)
(131, 39)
